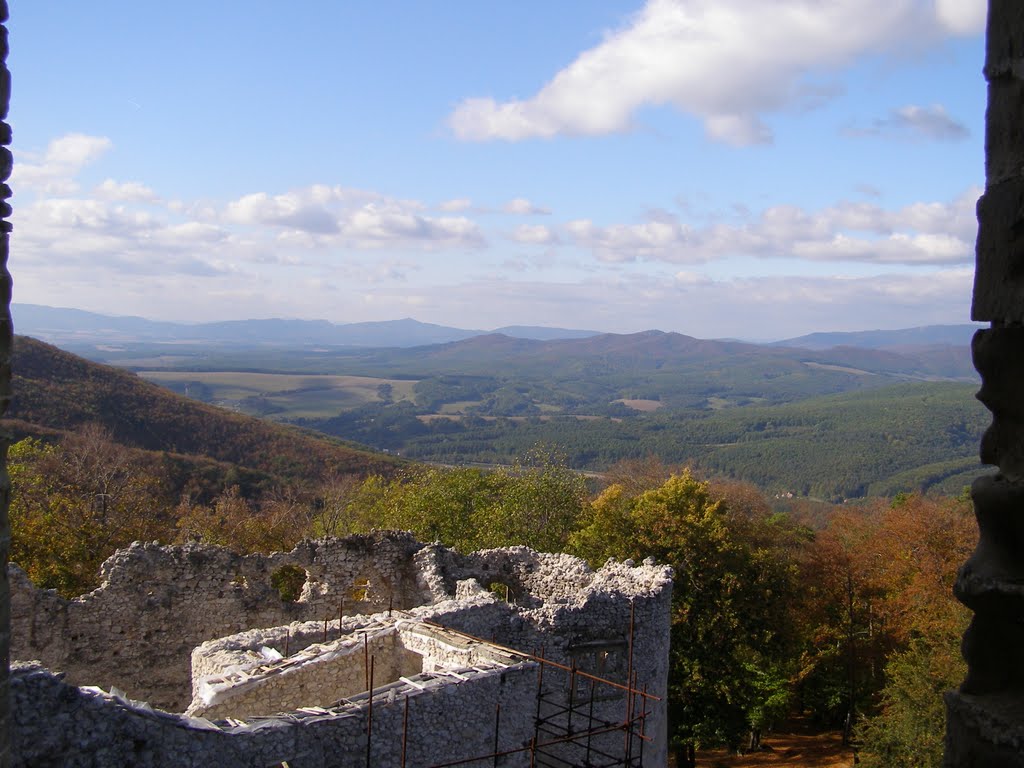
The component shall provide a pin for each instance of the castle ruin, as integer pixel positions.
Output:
(388, 653)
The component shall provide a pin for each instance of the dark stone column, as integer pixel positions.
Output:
(985, 717)
(6, 331)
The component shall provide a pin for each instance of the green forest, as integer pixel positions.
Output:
(830, 424)
(905, 437)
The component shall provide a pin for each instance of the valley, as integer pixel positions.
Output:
(829, 423)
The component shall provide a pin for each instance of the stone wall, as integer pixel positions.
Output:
(243, 676)
(249, 683)
(61, 726)
(137, 630)
(156, 603)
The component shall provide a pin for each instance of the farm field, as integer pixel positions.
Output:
(283, 395)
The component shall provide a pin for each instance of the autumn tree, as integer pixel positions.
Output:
(74, 503)
(333, 506)
(922, 541)
(274, 523)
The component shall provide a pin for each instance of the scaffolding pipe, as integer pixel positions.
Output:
(497, 731)
(366, 661)
(590, 718)
(405, 729)
(643, 726)
(572, 697)
(369, 715)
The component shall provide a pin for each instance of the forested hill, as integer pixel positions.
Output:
(658, 351)
(55, 391)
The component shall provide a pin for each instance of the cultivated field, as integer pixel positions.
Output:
(281, 395)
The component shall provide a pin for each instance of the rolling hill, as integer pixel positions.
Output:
(55, 391)
(833, 423)
(903, 338)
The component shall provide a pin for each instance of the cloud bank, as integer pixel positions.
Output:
(726, 62)
(343, 253)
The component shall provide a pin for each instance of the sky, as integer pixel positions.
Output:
(754, 169)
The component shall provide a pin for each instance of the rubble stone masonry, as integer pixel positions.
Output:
(267, 680)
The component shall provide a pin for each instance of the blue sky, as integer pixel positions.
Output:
(743, 168)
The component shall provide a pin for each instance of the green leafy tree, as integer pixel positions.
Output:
(729, 650)
(908, 731)
(537, 502)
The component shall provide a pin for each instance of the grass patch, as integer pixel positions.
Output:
(646, 406)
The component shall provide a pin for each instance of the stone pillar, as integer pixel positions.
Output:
(6, 331)
(985, 717)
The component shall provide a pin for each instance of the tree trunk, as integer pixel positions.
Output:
(686, 756)
(755, 740)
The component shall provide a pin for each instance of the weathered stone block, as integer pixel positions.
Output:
(999, 357)
(984, 732)
(1005, 47)
(999, 275)
(1004, 130)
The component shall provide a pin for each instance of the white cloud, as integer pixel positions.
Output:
(728, 62)
(76, 150)
(104, 238)
(534, 234)
(922, 233)
(658, 240)
(523, 207)
(302, 211)
(312, 250)
(913, 122)
(54, 171)
(962, 17)
(375, 224)
(685, 277)
(128, 191)
(338, 216)
(457, 205)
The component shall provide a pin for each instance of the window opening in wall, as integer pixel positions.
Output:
(501, 591)
(360, 589)
(289, 580)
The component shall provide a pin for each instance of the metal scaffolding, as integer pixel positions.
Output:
(568, 733)
(581, 720)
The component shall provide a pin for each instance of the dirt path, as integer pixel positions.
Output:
(799, 747)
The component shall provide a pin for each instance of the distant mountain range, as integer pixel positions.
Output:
(924, 336)
(75, 328)
(65, 327)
